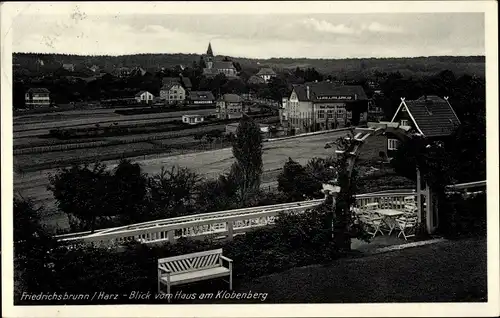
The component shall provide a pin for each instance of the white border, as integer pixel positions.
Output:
(10, 10)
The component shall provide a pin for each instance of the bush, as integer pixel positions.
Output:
(462, 217)
(295, 240)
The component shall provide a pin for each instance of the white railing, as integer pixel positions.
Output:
(222, 224)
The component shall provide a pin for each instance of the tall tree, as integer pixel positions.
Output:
(83, 191)
(297, 183)
(172, 191)
(130, 186)
(247, 149)
(32, 245)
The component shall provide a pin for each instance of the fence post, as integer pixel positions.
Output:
(230, 229)
(170, 236)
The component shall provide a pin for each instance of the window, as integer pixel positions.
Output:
(329, 113)
(404, 122)
(321, 113)
(392, 144)
(340, 112)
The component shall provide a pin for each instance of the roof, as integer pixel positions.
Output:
(256, 79)
(266, 71)
(433, 115)
(186, 82)
(201, 95)
(209, 50)
(192, 116)
(169, 80)
(140, 93)
(320, 89)
(169, 85)
(38, 90)
(231, 98)
(223, 65)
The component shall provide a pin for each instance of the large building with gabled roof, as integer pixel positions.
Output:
(322, 106)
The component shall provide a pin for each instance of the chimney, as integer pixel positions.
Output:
(307, 90)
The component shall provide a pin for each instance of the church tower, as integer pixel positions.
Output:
(209, 58)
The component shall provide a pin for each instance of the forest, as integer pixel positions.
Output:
(418, 66)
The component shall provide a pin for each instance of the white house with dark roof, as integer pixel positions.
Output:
(266, 74)
(144, 97)
(323, 105)
(172, 92)
(37, 97)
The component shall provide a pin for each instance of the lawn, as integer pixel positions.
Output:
(450, 271)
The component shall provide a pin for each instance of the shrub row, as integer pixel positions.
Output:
(295, 240)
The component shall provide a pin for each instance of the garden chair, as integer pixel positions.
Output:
(410, 211)
(372, 223)
(371, 206)
(407, 226)
(409, 200)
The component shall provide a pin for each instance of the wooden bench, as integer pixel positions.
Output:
(183, 269)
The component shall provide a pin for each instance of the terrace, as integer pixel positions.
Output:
(389, 214)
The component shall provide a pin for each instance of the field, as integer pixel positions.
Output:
(209, 164)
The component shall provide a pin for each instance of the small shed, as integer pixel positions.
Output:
(192, 119)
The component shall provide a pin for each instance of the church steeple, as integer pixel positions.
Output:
(209, 50)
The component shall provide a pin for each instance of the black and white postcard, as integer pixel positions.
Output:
(245, 159)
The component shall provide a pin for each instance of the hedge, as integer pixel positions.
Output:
(295, 240)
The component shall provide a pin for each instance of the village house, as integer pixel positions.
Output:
(37, 97)
(192, 119)
(229, 106)
(144, 97)
(122, 72)
(266, 74)
(256, 80)
(217, 67)
(172, 92)
(200, 98)
(137, 71)
(69, 67)
(323, 105)
(184, 81)
(430, 116)
(94, 68)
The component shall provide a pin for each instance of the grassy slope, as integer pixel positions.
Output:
(452, 271)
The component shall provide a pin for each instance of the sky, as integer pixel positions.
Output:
(344, 35)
